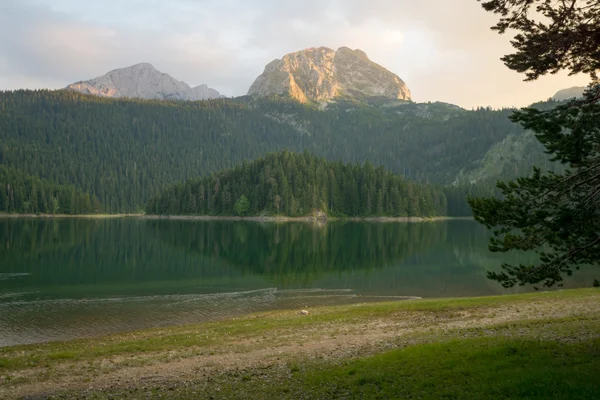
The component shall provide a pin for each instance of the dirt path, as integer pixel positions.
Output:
(280, 347)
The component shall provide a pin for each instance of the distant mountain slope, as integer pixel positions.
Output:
(570, 93)
(124, 150)
(508, 158)
(320, 74)
(145, 82)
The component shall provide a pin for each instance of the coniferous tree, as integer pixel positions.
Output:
(296, 184)
(556, 214)
(20, 193)
(124, 151)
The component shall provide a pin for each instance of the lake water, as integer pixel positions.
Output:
(69, 278)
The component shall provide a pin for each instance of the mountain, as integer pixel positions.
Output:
(145, 82)
(125, 151)
(321, 74)
(570, 93)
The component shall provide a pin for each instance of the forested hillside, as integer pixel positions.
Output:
(294, 185)
(125, 151)
(20, 193)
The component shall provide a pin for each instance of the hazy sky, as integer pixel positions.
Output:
(443, 49)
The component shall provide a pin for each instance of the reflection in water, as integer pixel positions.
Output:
(298, 253)
(70, 278)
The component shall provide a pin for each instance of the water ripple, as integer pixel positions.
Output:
(9, 275)
(23, 322)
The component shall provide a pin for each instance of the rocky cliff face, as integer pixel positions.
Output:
(321, 74)
(145, 82)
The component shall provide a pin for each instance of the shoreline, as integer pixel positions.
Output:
(64, 216)
(232, 218)
(271, 351)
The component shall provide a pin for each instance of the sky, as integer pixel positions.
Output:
(443, 49)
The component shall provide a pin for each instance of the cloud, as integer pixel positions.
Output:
(443, 49)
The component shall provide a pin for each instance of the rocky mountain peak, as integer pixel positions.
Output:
(357, 52)
(142, 66)
(321, 74)
(145, 82)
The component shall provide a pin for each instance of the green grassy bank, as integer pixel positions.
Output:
(536, 346)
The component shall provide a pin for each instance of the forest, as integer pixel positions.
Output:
(124, 151)
(296, 185)
(20, 193)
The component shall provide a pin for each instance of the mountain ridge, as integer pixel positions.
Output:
(142, 81)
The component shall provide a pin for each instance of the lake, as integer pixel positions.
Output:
(68, 278)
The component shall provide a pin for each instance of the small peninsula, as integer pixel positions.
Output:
(288, 184)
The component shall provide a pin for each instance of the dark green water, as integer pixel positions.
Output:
(67, 278)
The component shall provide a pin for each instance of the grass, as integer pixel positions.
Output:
(468, 364)
(539, 345)
(472, 368)
(222, 332)
(480, 368)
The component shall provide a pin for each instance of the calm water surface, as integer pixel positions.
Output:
(68, 278)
